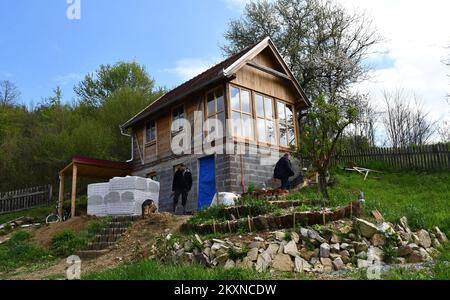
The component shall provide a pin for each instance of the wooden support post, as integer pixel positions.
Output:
(61, 195)
(74, 189)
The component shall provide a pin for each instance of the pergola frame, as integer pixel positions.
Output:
(89, 168)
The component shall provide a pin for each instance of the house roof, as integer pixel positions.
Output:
(222, 70)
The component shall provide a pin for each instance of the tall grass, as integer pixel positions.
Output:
(423, 197)
(19, 251)
(152, 270)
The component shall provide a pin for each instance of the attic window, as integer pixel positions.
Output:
(150, 135)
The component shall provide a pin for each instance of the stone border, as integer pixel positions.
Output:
(271, 222)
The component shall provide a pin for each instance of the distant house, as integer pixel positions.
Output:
(256, 90)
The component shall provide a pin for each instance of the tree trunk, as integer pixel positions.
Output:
(322, 184)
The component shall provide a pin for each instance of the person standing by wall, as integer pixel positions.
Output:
(283, 170)
(181, 186)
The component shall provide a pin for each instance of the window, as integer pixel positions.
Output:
(241, 113)
(150, 135)
(286, 124)
(265, 119)
(215, 109)
(177, 119)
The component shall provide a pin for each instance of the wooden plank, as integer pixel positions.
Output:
(74, 190)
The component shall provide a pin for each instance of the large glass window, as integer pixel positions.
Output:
(286, 124)
(215, 110)
(265, 119)
(150, 132)
(241, 112)
(177, 119)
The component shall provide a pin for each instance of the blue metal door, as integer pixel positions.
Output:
(207, 182)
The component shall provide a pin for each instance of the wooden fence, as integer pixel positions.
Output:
(428, 157)
(25, 198)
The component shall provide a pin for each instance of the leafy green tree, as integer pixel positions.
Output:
(98, 87)
(324, 126)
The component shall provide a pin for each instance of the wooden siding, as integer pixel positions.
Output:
(248, 78)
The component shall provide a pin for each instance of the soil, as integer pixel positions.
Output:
(43, 236)
(134, 244)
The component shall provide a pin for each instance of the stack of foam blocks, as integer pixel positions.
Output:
(121, 196)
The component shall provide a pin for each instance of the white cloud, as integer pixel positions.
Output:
(236, 4)
(68, 78)
(188, 68)
(417, 39)
(4, 75)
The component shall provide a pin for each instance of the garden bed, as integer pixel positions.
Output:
(275, 222)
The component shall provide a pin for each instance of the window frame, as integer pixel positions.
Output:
(278, 121)
(175, 132)
(214, 116)
(150, 142)
(272, 119)
(241, 112)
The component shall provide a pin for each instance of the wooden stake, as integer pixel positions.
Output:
(74, 189)
(229, 226)
(214, 225)
(351, 210)
(293, 220)
(61, 195)
(324, 219)
(249, 223)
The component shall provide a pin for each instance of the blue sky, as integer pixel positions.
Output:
(40, 48)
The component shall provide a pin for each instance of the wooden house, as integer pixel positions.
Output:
(256, 90)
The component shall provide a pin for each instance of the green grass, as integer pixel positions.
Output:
(38, 214)
(20, 252)
(68, 243)
(423, 197)
(152, 270)
(218, 213)
(438, 270)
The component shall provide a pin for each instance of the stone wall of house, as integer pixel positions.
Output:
(229, 170)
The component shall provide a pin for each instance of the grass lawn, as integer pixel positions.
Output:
(19, 251)
(152, 270)
(423, 197)
(38, 214)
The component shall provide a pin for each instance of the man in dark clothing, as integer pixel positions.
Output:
(283, 170)
(181, 186)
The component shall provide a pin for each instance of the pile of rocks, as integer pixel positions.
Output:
(341, 245)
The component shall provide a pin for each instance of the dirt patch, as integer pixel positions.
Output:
(139, 237)
(43, 236)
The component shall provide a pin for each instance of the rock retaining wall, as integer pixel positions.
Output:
(341, 245)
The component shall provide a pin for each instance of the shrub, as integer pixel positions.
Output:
(67, 243)
(415, 217)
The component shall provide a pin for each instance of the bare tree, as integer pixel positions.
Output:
(405, 119)
(9, 93)
(365, 126)
(444, 132)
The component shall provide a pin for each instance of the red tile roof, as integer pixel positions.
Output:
(209, 76)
